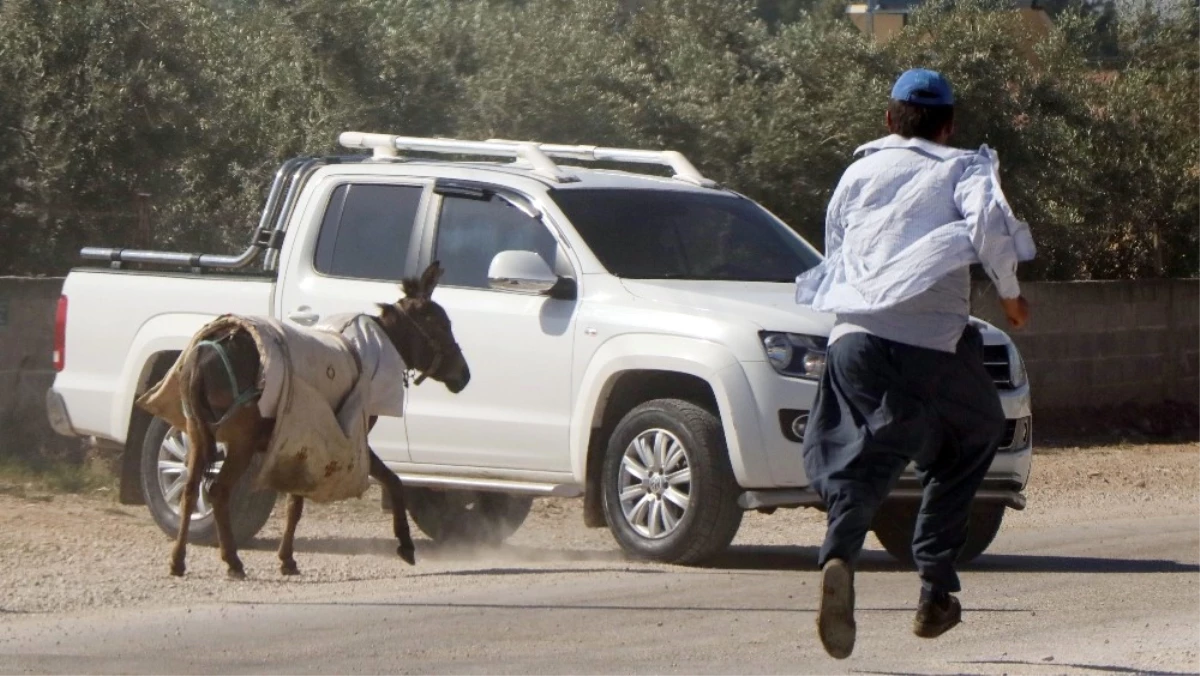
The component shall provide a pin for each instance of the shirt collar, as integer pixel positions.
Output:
(937, 150)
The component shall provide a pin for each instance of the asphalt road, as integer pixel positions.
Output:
(1102, 596)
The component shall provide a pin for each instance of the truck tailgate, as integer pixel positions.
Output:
(117, 322)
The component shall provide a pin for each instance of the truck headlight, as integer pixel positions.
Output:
(1017, 366)
(794, 354)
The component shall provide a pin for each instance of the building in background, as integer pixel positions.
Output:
(884, 18)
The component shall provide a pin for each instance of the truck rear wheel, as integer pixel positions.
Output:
(669, 490)
(895, 524)
(466, 517)
(164, 474)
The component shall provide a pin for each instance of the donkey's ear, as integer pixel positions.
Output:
(430, 277)
(411, 287)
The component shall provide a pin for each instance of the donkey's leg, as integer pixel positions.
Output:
(287, 564)
(395, 489)
(197, 463)
(237, 460)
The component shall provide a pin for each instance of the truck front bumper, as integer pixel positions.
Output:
(907, 490)
(1005, 481)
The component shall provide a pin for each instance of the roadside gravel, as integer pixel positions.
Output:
(63, 553)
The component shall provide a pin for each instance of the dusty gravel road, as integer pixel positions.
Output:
(1100, 575)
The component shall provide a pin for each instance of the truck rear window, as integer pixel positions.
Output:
(367, 231)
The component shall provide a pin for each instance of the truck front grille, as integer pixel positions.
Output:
(995, 360)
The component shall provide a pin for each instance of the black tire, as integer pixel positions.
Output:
(466, 517)
(712, 516)
(895, 524)
(249, 509)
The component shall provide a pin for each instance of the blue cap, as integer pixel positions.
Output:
(923, 87)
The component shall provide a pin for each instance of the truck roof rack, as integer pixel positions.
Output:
(534, 155)
(267, 237)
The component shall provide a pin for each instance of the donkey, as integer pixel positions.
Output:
(420, 331)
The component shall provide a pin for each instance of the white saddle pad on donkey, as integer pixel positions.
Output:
(321, 385)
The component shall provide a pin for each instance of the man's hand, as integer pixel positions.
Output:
(1017, 311)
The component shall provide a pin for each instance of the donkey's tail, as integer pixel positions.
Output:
(194, 404)
(200, 428)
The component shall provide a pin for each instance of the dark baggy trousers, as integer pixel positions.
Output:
(882, 404)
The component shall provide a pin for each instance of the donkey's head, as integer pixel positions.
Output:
(420, 330)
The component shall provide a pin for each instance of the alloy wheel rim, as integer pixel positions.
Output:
(655, 483)
(173, 474)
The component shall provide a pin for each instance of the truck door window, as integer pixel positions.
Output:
(367, 231)
(471, 231)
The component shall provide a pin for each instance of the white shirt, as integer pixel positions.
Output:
(903, 225)
(907, 214)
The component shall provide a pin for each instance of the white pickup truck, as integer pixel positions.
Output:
(632, 338)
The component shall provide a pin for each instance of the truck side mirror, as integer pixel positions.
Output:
(526, 272)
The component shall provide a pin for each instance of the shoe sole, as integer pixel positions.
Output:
(926, 630)
(835, 616)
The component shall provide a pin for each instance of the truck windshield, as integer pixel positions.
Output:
(675, 234)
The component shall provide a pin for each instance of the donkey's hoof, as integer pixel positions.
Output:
(178, 569)
(408, 554)
(289, 568)
(236, 574)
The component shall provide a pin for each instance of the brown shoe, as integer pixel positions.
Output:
(936, 615)
(835, 615)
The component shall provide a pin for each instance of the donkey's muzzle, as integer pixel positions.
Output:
(459, 382)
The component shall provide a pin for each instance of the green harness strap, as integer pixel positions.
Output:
(243, 397)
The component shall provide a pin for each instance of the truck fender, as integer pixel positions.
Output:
(706, 360)
(163, 333)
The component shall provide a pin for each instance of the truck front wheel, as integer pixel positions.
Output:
(164, 474)
(669, 491)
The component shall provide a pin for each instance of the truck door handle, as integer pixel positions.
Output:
(304, 315)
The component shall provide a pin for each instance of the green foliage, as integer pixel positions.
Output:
(35, 477)
(535, 75)
(196, 102)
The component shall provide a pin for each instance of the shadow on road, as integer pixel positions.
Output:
(1112, 669)
(539, 571)
(783, 557)
(651, 608)
(736, 558)
(434, 551)
(912, 673)
(1054, 665)
(1022, 563)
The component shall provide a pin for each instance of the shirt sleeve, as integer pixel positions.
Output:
(810, 284)
(835, 223)
(982, 204)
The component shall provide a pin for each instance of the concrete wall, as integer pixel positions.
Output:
(27, 309)
(1089, 344)
(1093, 344)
